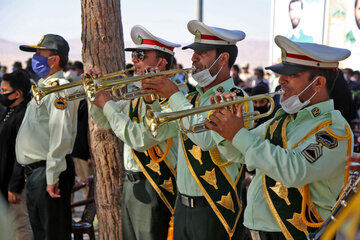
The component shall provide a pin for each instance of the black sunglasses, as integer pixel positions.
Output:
(139, 55)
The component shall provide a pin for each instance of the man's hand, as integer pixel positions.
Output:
(223, 121)
(160, 85)
(13, 197)
(101, 98)
(53, 190)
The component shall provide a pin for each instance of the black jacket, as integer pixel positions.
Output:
(11, 172)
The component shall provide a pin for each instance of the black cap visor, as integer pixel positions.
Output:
(285, 68)
(28, 48)
(202, 47)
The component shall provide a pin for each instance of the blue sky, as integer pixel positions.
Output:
(25, 21)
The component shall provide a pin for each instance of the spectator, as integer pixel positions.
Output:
(17, 66)
(77, 67)
(15, 89)
(259, 77)
(261, 105)
(3, 70)
(245, 74)
(343, 100)
(235, 70)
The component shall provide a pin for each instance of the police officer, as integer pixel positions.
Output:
(45, 137)
(300, 165)
(149, 191)
(208, 206)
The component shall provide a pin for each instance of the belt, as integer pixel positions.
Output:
(134, 176)
(30, 167)
(193, 202)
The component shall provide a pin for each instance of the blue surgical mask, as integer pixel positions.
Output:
(39, 65)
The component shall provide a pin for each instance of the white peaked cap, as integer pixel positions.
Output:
(144, 40)
(207, 38)
(299, 56)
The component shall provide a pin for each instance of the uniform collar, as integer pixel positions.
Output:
(221, 87)
(52, 78)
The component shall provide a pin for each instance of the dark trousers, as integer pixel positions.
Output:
(201, 223)
(50, 218)
(144, 214)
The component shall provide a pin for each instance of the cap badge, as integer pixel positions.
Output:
(139, 40)
(197, 36)
(41, 40)
(315, 111)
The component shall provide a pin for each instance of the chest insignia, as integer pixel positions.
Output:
(315, 111)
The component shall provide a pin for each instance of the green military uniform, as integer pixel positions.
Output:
(318, 160)
(187, 185)
(45, 137)
(145, 214)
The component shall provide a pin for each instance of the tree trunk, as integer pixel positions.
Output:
(103, 50)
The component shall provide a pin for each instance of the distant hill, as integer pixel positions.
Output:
(255, 52)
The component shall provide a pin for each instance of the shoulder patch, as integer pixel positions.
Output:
(312, 152)
(325, 139)
(60, 104)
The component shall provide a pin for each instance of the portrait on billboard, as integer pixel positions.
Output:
(298, 20)
(296, 33)
(353, 36)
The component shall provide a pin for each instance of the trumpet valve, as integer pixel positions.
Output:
(199, 127)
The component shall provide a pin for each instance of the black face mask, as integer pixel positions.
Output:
(262, 109)
(4, 99)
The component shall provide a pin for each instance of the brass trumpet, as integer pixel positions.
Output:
(111, 82)
(83, 85)
(154, 120)
(114, 85)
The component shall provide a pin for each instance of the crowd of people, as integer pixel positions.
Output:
(208, 176)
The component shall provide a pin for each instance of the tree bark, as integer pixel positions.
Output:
(103, 51)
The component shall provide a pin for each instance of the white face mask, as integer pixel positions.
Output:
(204, 78)
(154, 69)
(293, 104)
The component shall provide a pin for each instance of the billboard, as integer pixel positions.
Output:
(335, 23)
